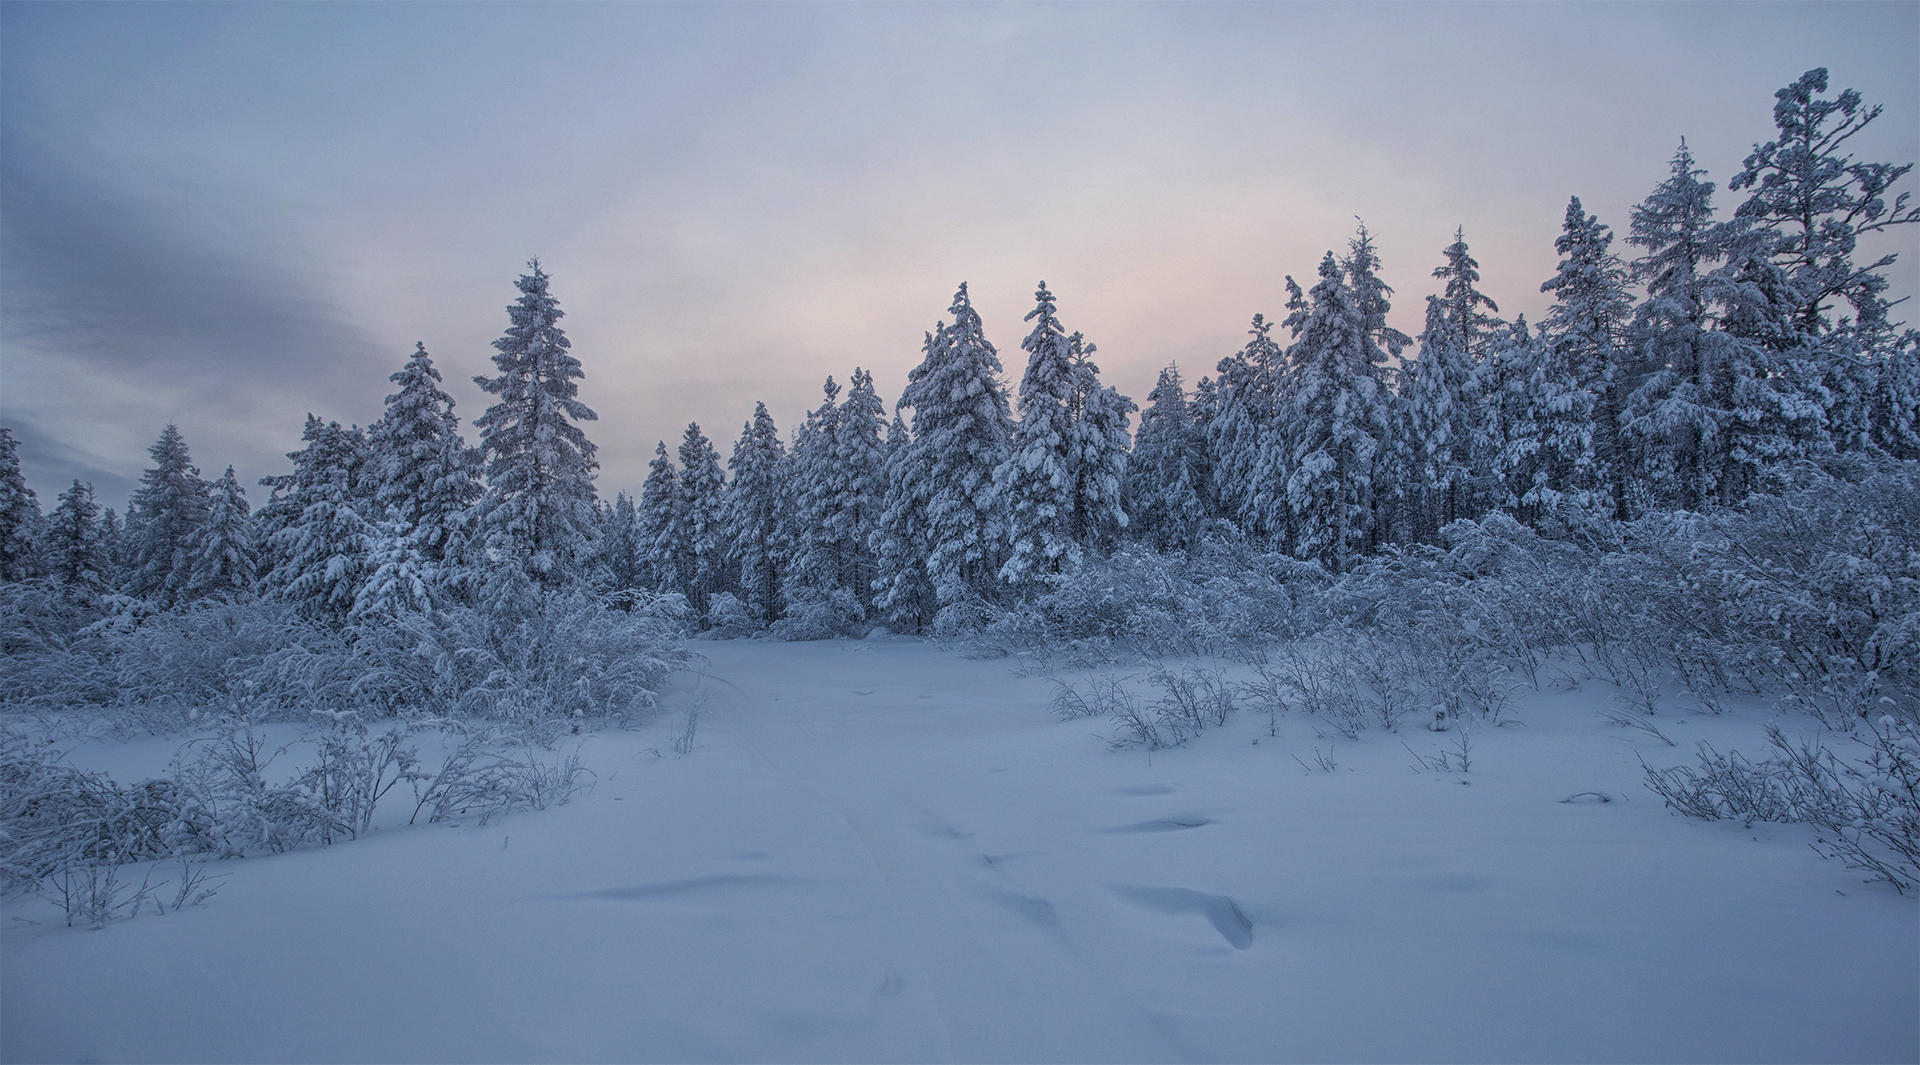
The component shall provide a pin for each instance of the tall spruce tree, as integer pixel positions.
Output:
(903, 590)
(1244, 443)
(961, 433)
(1438, 406)
(76, 552)
(1098, 451)
(816, 563)
(1035, 484)
(425, 473)
(226, 554)
(659, 521)
(1472, 312)
(1166, 476)
(1336, 413)
(700, 537)
(751, 518)
(170, 510)
(538, 510)
(1586, 329)
(859, 482)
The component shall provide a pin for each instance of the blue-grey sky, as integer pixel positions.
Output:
(229, 215)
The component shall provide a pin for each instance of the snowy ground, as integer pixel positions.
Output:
(883, 851)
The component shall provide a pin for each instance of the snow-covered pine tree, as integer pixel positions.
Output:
(423, 468)
(1375, 299)
(1587, 329)
(226, 554)
(753, 505)
(20, 556)
(170, 510)
(1165, 486)
(1098, 453)
(1542, 424)
(538, 510)
(700, 539)
(961, 433)
(1335, 410)
(859, 471)
(1439, 406)
(1816, 202)
(1035, 484)
(76, 556)
(669, 567)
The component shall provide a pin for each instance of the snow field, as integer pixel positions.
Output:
(881, 850)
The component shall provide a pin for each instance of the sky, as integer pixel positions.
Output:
(227, 216)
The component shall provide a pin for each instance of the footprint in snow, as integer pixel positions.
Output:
(1176, 823)
(1219, 910)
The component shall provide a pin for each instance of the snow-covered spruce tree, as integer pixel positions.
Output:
(961, 433)
(620, 561)
(422, 468)
(815, 564)
(113, 543)
(1165, 485)
(330, 451)
(1681, 417)
(325, 554)
(1896, 401)
(1097, 457)
(902, 588)
(1541, 426)
(700, 537)
(538, 509)
(76, 556)
(1335, 410)
(1586, 329)
(859, 472)
(659, 520)
(1035, 484)
(1472, 313)
(1438, 406)
(169, 512)
(226, 553)
(19, 516)
(754, 502)
(399, 577)
(1244, 428)
(1372, 294)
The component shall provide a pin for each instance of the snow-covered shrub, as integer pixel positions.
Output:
(172, 665)
(728, 618)
(48, 659)
(1222, 595)
(559, 656)
(71, 836)
(1192, 700)
(491, 773)
(1865, 806)
(821, 616)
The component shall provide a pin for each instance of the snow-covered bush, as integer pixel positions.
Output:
(1865, 805)
(48, 659)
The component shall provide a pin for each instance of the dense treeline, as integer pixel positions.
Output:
(1709, 360)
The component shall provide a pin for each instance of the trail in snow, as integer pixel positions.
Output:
(881, 851)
